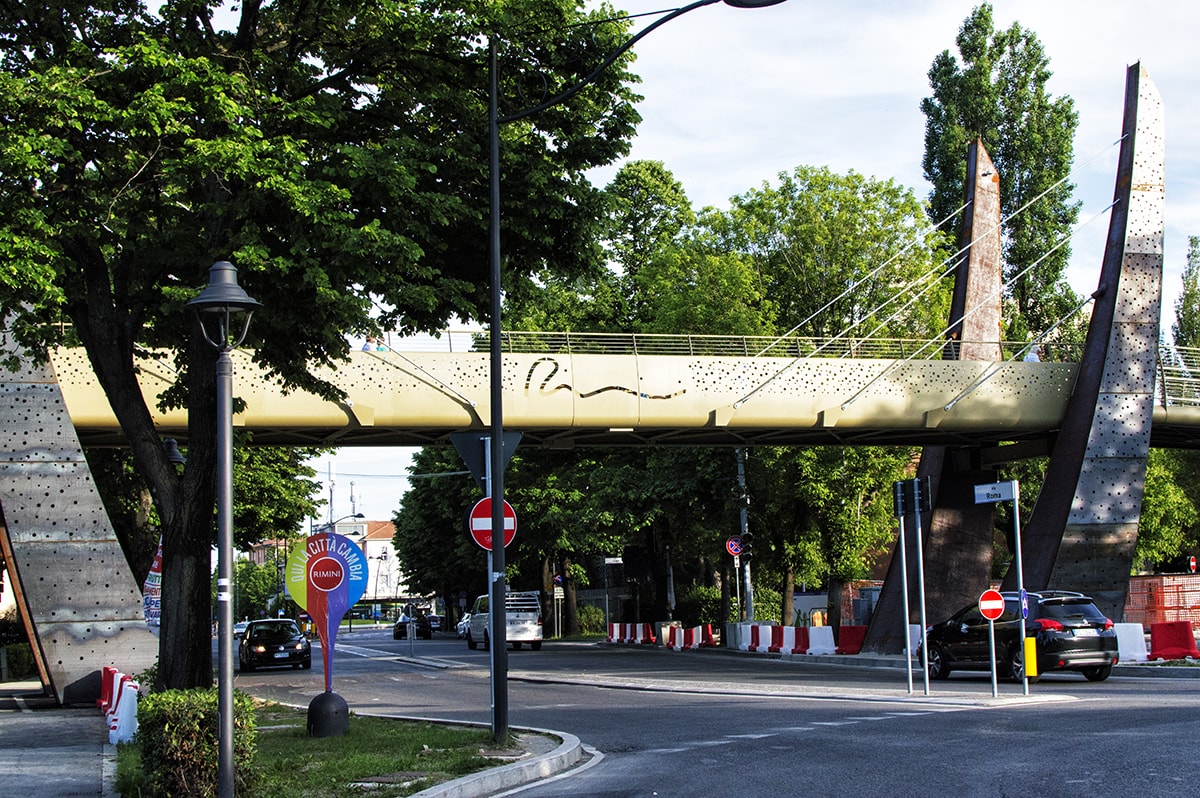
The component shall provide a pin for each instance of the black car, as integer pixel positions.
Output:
(271, 642)
(1071, 633)
(423, 628)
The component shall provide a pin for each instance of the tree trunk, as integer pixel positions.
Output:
(787, 614)
(834, 605)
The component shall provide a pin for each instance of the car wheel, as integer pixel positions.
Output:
(1016, 665)
(471, 644)
(1097, 673)
(516, 645)
(307, 665)
(935, 663)
(487, 644)
(247, 667)
(395, 633)
(536, 645)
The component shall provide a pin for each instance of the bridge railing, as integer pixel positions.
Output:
(578, 343)
(1178, 375)
(1177, 372)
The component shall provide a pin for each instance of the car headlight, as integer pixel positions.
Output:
(260, 649)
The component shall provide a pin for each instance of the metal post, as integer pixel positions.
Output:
(225, 786)
(920, 579)
(496, 587)
(1016, 487)
(904, 593)
(744, 515)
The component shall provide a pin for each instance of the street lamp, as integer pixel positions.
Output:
(216, 308)
(496, 587)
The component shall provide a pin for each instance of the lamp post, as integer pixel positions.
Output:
(216, 309)
(496, 586)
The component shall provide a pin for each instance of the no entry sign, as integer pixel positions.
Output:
(991, 604)
(479, 523)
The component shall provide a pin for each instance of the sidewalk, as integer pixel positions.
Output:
(50, 751)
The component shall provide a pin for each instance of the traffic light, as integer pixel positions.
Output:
(747, 545)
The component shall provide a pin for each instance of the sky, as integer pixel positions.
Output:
(733, 97)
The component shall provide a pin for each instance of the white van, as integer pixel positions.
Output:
(524, 616)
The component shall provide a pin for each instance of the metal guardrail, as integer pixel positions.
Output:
(575, 343)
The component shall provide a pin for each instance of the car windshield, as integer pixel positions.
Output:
(273, 630)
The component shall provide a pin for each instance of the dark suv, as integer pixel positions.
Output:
(1071, 634)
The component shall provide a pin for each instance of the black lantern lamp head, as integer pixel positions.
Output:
(220, 300)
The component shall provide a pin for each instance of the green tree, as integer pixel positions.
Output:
(998, 94)
(1186, 329)
(816, 234)
(273, 490)
(336, 153)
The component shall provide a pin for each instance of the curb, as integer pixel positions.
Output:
(568, 753)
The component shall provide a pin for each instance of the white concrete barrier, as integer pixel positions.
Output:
(1131, 642)
(820, 640)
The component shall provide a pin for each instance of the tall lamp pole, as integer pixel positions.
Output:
(496, 586)
(217, 307)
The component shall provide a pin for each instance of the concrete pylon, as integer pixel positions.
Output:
(81, 605)
(1082, 531)
(957, 532)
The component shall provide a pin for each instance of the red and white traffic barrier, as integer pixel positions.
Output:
(692, 638)
(820, 640)
(647, 634)
(785, 641)
(118, 701)
(760, 637)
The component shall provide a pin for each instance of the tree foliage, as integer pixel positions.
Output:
(997, 92)
(817, 234)
(336, 153)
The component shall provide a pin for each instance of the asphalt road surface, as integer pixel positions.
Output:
(712, 723)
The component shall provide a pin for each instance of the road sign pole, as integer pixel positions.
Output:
(1016, 487)
(992, 652)
(920, 581)
(904, 594)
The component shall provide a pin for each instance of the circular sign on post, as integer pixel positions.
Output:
(733, 545)
(1192, 564)
(479, 523)
(991, 604)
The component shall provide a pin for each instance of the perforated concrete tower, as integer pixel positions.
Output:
(82, 608)
(1082, 531)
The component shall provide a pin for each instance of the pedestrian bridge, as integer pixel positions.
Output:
(564, 389)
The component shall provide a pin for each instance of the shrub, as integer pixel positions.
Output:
(591, 620)
(699, 604)
(20, 661)
(177, 732)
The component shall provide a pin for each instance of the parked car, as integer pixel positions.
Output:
(1071, 633)
(463, 625)
(273, 641)
(421, 622)
(435, 622)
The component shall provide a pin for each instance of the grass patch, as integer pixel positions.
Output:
(378, 757)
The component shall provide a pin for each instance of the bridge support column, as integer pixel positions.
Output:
(1082, 531)
(73, 587)
(958, 533)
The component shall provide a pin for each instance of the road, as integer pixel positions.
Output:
(717, 724)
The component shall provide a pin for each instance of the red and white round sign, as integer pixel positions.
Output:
(326, 574)
(991, 604)
(479, 523)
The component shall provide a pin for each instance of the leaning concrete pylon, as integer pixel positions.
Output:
(81, 605)
(1082, 531)
(958, 532)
